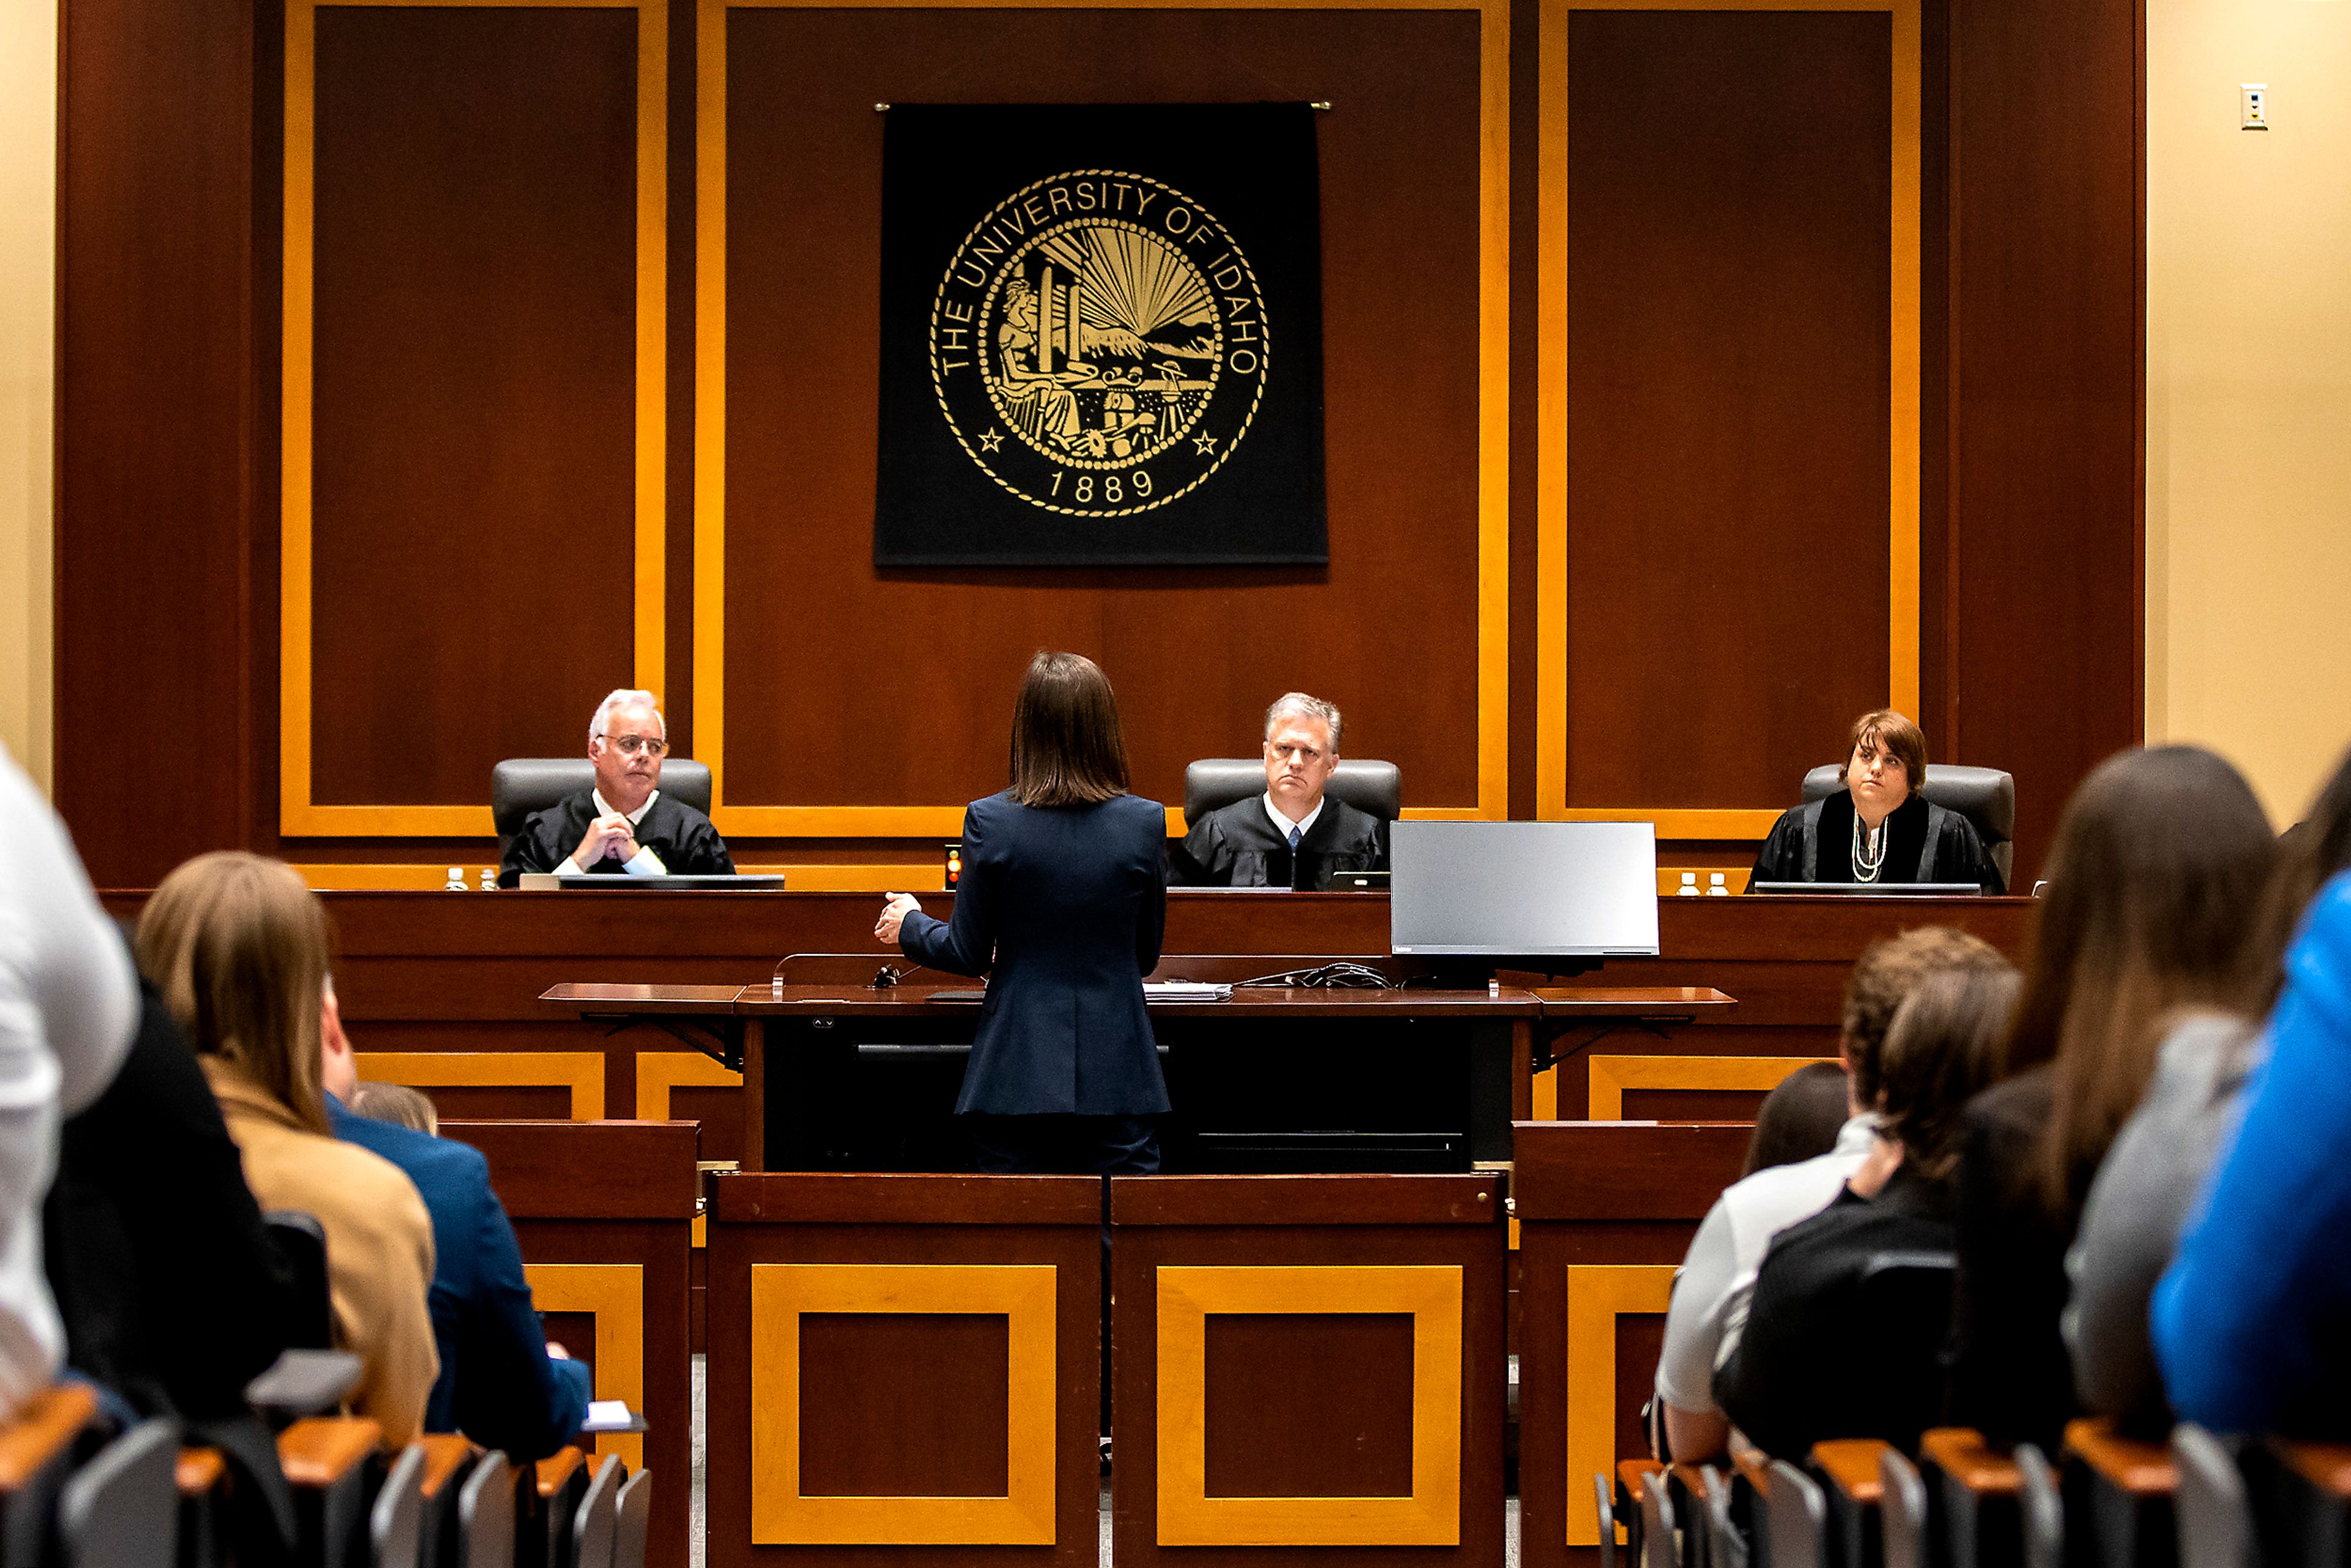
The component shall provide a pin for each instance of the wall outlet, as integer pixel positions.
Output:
(2255, 103)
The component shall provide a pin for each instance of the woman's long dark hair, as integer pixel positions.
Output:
(2313, 852)
(2159, 867)
(1942, 1048)
(1066, 746)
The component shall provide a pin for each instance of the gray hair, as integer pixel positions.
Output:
(618, 700)
(1298, 704)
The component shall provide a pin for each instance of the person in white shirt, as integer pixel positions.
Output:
(1293, 835)
(69, 1006)
(1716, 1279)
(623, 824)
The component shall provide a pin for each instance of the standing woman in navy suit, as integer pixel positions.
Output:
(1063, 902)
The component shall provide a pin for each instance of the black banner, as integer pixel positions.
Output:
(1102, 337)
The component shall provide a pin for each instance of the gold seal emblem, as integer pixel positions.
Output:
(1099, 343)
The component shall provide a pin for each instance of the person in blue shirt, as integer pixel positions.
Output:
(501, 1384)
(2250, 1319)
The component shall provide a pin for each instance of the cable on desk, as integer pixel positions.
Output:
(1340, 976)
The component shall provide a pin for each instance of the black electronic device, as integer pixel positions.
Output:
(1871, 889)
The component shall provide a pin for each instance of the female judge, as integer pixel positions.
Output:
(1061, 903)
(1879, 828)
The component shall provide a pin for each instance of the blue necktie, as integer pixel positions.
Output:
(1293, 840)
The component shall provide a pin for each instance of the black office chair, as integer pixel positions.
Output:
(522, 785)
(1213, 783)
(301, 1243)
(1904, 1309)
(1985, 797)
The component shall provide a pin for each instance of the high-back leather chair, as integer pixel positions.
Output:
(1211, 783)
(522, 785)
(1985, 797)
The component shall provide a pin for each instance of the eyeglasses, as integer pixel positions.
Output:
(631, 744)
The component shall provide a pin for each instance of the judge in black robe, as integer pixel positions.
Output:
(1239, 846)
(680, 840)
(623, 824)
(1913, 841)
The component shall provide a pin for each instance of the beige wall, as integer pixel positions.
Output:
(28, 105)
(2249, 388)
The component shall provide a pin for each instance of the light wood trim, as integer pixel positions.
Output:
(43, 1431)
(444, 1454)
(2140, 1468)
(1851, 1466)
(1965, 1457)
(197, 1470)
(659, 1071)
(1610, 1076)
(581, 1072)
(1597, 1294)
(614, 1294)
(1431, 1516)
(1024, 1294)
(299, 816)
(1551, 400)
(320, 1450)
(710, 420)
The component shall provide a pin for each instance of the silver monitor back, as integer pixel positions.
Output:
(1523, 889)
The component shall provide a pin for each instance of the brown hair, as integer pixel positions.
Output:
(2310, 855)
(1900, 738)
(239, 948)
(1800, 1118)
(1942, 1048)
(2157, 868)
(1066, 746)
(1885, 975)
(397, 1105)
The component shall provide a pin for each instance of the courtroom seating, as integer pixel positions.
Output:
(2128, 1484)
(122, 1508)
(333, 1465)
(201, 1476)
(554, 1488)
(1726, 1542)
(485, 1515)
(2215, 1519)
(448, 1461)
(594, 1520)
(37, 1451)
(1629, 1506)
(396, 1518)
(1604, 1503)
(1985, 797)
(1901, 1513)
(1854, 1490)
(520, 786)
(1976, 1488)
(302, 1244)
(1375, 789)
(2041, 1509)
(1661, 1527)
(1795, 1519)
(632, 1511)
(2306, 1499)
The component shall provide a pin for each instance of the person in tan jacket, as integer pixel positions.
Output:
(239, 948)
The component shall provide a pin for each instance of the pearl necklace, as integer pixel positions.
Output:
(1868, 854)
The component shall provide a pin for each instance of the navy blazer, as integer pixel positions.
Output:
(498, 1384)
(1063, 909)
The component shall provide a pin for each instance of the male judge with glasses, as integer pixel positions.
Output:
(1293, 835)
(624, 825)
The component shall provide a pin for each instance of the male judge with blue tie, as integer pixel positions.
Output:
(1293, 835)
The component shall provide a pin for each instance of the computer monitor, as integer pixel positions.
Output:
(1523, 889)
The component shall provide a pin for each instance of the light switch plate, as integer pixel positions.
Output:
(2255, 102)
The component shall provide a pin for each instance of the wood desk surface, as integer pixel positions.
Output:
(1250, 1001)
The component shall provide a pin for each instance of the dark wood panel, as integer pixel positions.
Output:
(2048, 275)
(1692, 1105)
(574, 1170)
(830, 1198)
(1728, 373)
(1195, 656)
(1308, 1405)
(1227, 1201)
(1618, 1171)
(474, 403)
(156, 749)
(904, 1403)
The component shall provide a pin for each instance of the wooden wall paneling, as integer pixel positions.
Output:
(1209, 1266)
(473, 451)
(1605, 1212)
(1415, 209)
(1728, 384)
(154, 432)
(2048, 352)
(602, 1211)
(840, 1308)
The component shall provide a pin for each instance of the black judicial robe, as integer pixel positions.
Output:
(683, 837)
(1235, 846)
(1926, 843)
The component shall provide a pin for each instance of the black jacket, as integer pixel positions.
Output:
(1235, 846)
(683, 837)
(1063, 910)
(1924, 843)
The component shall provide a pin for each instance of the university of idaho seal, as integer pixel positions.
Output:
(1099, 343)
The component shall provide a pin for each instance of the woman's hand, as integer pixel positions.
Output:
(894, 914)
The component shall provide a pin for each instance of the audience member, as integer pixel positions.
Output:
(1835, 1344)
(499, 1382)
(1801, 1118)
(2140, 1200)
(2249, 1321)
(67, 1008)
(400, 1105)
(238, 947)
(2154, 875)
(1711, 1290)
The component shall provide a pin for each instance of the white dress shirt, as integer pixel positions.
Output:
(1283, 825)
(644, 862)
(69, 1006)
